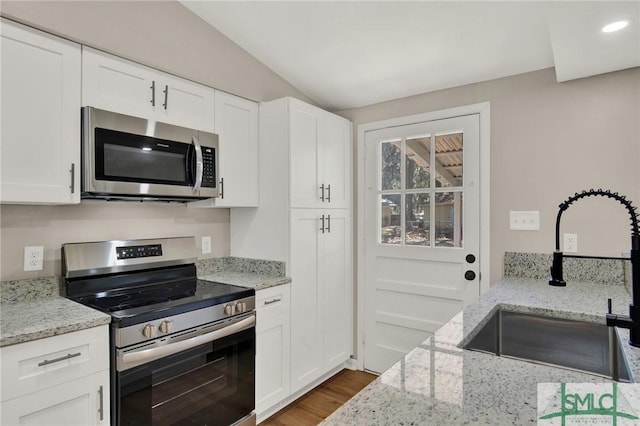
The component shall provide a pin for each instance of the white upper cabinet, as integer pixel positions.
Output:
(237, 127)
(320, 157)
(125, 87)
(40, 136)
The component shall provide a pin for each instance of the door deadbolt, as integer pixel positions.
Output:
(470, 258)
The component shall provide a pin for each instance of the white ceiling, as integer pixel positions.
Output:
(345, 54)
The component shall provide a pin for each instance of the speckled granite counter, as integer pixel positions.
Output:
(37, 318)
(255, 273)
(437, 383)
(31, 309)
(246, 279)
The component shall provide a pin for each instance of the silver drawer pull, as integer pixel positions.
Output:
(269, 302)
(101, 407)
(62, 358)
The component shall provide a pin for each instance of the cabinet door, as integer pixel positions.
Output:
(80, 402)
(306, 305)
(336, 288)
(273, 346)
(184, 103)
(40, 117)
(237, 126)
(336, 164)
(118, 85)
(304, 135)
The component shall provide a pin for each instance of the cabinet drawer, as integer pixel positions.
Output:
(39, 364)
(273, 300)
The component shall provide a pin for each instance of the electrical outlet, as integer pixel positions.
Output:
(570, 243)
(524, 220)
(33, 258)
(206, 245)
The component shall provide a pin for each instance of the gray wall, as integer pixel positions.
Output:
(549, 140)
(164, 35)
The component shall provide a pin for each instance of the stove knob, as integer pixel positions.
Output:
(228, 309)
(166, 326)
(240, 307)
(149, 331)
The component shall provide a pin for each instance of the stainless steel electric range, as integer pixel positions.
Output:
(182, 349)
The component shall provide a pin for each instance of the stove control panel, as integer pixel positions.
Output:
(171, 325)
(134, 252)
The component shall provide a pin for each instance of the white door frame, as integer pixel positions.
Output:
(483, 109)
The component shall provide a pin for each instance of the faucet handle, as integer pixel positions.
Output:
(609, 306)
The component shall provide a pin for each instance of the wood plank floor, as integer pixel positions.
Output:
(316, 405)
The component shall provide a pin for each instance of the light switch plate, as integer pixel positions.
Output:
(524, 220)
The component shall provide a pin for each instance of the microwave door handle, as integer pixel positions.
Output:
(199, 164)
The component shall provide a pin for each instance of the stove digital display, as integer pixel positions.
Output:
(134, 252)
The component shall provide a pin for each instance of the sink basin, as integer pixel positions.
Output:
(576, 345)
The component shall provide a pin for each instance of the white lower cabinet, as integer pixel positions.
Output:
(273, 327)
(60, 380)
(321, 329)
(80, 402)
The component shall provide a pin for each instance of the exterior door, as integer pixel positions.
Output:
(421, 232)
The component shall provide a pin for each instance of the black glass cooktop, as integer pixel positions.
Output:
(133, 299)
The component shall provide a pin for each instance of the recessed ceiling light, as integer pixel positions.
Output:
(615, 26)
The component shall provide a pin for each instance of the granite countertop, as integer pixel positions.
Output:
(31, 309)
(438, 383)
(37, 318)
(253, 280)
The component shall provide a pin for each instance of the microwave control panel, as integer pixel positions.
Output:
(209, 167)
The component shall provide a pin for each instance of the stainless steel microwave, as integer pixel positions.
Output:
(131, 158)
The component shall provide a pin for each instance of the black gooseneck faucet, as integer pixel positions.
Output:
(632, 322)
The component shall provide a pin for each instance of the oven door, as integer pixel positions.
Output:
(210, 383)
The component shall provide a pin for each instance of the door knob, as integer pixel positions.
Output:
(470, 275)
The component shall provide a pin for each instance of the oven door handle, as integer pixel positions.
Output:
(172, 348)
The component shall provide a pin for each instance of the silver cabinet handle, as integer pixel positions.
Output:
(62, 358)
(322, 192)
(166, 96)
(73, 178)
(199, 164)
(329, 193)
(269, 302)
(101, 406)
(222, 188)
(322, 228)
(329, 223)
(153, 93)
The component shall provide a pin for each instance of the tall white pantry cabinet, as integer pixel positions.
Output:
(304, 219)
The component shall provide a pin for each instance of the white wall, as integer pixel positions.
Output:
(549, 140)
(161, 34)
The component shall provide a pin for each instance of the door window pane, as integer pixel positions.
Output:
(448, 160)
(417, 220)
(390, 155)
(418, 159)
(448, 219)
(390, 231)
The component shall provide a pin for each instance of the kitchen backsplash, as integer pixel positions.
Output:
(35, 288)
(536, 266)
(241, 264)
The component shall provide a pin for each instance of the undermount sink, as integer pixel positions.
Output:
(576, 345)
